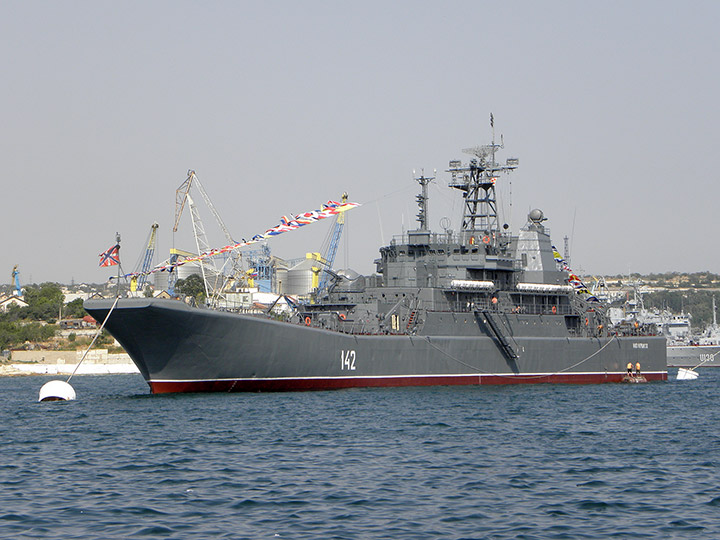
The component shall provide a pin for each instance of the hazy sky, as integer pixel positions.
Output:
(611, 107)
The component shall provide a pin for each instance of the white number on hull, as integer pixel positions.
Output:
(347, 360)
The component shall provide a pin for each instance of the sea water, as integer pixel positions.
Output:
(521, 461)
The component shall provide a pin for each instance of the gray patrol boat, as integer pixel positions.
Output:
(476, 306)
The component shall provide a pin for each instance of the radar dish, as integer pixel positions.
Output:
(479, 151)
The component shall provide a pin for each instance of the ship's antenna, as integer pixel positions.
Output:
(422, 200)
(117, 240)
(477, 182)
(572, 234)
(492, 127)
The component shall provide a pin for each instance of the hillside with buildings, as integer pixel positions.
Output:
(689, 293)
(50, 315)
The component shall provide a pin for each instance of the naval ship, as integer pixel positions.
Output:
(470, 307)
(685, 349)
(696, 351)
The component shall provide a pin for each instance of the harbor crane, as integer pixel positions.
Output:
(328, 258)
(148, 258)
(220, 278)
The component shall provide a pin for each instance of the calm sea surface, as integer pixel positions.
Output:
(542, 461)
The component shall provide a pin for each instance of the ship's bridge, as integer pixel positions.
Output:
(424, 259)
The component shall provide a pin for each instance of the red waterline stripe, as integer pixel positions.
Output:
(285, 385)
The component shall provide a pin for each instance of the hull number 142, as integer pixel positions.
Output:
(347, 360)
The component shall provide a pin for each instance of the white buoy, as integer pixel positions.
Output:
(61, 390)
(57, 391)
(686, 374)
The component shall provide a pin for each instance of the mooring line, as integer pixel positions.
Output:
(569, 367)
(94, 339)
(453, 358)
(521, 376)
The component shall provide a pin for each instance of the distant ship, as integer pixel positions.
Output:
(702, 350)
(684, 349)
(476, 306)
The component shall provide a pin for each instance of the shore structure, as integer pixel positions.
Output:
(45, 362)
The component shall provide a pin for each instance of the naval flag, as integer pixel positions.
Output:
(111, 257)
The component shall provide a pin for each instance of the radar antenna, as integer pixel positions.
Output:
(477, 182)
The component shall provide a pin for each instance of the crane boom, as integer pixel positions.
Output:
(332, 248)
(183, 197)
(149, 255)
(200, 240)
(211, 206)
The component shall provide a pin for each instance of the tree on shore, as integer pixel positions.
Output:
(44, 302)
(74, 309)
(16, 333)
(192, 286)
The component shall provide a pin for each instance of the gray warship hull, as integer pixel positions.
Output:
(179, 348)
(693, 355)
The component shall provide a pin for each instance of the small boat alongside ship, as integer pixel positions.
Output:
(476, 306)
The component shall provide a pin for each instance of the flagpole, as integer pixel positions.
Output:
(117, 239)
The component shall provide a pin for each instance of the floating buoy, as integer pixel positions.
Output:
(686, 374)
(57, 391)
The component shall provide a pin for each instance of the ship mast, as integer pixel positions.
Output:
(477, 182)
(422, 201)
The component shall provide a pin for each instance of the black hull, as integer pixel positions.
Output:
(182, 349)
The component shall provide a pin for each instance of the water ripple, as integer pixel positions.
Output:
(554, 462)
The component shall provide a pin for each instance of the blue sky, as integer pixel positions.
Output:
(611, 108)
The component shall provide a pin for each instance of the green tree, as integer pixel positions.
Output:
(44, 301)
(7, 335)
(74, 309)
(192, 286)
(13, 334)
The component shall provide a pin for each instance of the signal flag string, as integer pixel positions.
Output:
(287, 223)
